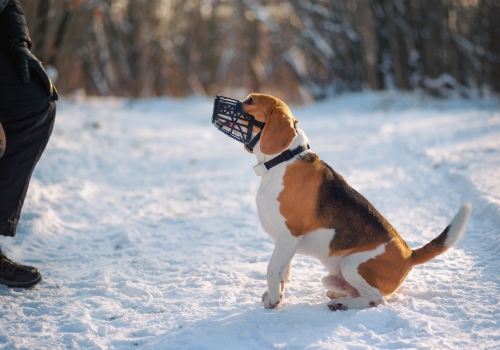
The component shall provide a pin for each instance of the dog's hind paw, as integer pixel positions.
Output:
(354, 303)
(336, 306)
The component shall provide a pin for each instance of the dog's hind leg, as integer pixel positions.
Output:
(368, 296)
(338, 287)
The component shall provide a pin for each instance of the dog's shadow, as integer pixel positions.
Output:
(294, 325)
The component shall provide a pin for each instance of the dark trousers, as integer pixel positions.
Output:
(27, 115)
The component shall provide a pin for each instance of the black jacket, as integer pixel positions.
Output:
(3, 3)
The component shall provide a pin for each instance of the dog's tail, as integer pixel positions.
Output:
(447, 239)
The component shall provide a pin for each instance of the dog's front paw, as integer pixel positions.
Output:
(264, 295)
(269, 302)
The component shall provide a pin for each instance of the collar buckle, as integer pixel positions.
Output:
(260, 169)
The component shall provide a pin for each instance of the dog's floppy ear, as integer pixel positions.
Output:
(278, 133)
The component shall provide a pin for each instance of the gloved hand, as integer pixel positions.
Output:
(20, 44)
(3, 141)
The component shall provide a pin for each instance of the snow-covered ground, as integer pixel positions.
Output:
(142, 218)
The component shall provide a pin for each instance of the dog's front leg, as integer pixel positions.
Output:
(284, 250)
(286, 274)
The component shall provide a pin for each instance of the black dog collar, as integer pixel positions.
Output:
(262, 168)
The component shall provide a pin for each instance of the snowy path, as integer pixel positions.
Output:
(141, 217)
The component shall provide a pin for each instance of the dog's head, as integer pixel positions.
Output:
(279, 131)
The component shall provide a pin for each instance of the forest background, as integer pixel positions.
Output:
(300, 51)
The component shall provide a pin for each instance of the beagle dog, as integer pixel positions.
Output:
(308, 208)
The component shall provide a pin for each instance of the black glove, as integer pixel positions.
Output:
(20, 44)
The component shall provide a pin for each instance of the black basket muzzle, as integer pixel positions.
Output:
(230, 118)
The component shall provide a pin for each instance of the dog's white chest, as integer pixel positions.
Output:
(268, 205)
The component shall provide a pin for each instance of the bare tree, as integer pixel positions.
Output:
(295, 49)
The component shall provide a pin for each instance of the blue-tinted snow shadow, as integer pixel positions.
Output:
(297, 326)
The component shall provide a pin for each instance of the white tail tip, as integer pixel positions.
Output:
(458, 224)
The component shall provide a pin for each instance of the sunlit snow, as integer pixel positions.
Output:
(141, 217)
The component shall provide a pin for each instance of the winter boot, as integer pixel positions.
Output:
(15, 275)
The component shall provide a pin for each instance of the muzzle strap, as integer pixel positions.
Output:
(256, 139)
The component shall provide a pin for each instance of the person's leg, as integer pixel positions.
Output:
(27, 116)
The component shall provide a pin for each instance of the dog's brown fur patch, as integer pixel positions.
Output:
(389, 269)
(261, 106)
(298, 200)
(278, 133)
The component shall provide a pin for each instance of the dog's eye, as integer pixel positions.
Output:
(249, 101)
